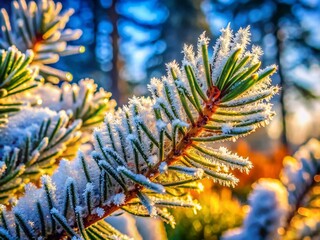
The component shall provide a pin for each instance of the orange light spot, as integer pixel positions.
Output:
(281, 231)
(317, 178)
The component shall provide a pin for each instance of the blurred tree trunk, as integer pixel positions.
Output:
(283, 85)
(118, 86)
(279, 36)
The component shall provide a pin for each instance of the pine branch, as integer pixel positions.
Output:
(30, 150)
(147, 154)
(294, 213)
(269, 208)
(300, 176)
(21, 87)
(83, 101)
(41, 27)
(16, 78)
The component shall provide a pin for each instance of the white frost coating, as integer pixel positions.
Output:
(226, 128)
(256, 54)
(141, 179)
(254, 96)
(269, 208)
(76, 238)
(268, 68)
(153, 212)
(46, 179)
(189, 58)
(153, 160)
(18, 128)
(61, 217)
(89, 187)
(242, 38)
(119, 199)
(163, 168)
(31, 224)
(242, 130)
(203, 40)
(137, 120)
(53, 44)
(131, 137)
(221, 51)
(174, 66)
(3, 168)
(195, 172)
(78, 209)
(222, 157)
(181, 84)
(272, 201)
(161, 125)
(298, 171)
(124, 128)
(225, 41)
(178, 122)
(99, 211)
(199, 173)
(223, 150)
(153, 86)
(54, 210)
(57, 99)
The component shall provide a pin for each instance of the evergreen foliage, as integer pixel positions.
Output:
(40, 123)
(148, 153)
(40, 27)
(145, 156)
(15, 79)
(286, 209)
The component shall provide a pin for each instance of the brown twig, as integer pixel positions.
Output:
(173, 157)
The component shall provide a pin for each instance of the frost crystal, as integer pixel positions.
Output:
(203, 40)
(3, 168)
(119, 199)
(226, 128)
(178, 122)
(161, 125)
(223, 150)
(99, 211)
(242, 38)
(79, 209)
(163, 167)
(199, 173)
(153, 160)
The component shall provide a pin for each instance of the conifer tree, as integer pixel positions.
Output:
(145, 155)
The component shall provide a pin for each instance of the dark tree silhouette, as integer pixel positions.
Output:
(283, 25)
